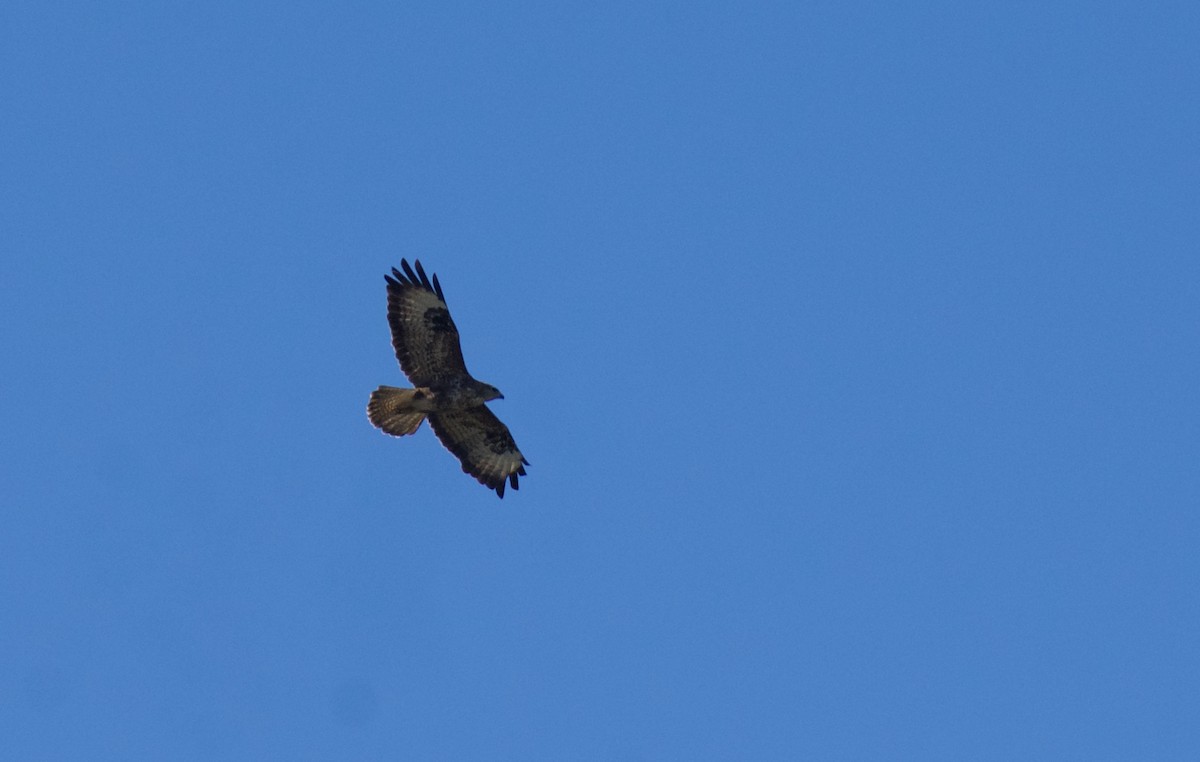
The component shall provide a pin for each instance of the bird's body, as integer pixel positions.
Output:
(427, 346)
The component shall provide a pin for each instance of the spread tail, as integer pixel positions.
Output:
(394, 410)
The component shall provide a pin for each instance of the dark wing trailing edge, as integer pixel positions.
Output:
(484, 445)
(423, 334)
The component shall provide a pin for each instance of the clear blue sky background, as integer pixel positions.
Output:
(854, 347)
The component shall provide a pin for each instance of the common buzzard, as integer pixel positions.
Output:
(426, 343)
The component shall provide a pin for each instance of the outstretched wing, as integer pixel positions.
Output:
(424, 336)
(478, 439)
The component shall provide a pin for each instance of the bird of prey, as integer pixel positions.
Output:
(426, 343)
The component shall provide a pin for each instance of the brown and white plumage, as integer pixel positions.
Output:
(423, 334)
(427, 346)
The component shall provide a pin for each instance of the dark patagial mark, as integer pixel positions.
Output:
(500, 442)
(438, 319)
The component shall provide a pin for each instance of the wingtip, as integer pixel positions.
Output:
(414, 275)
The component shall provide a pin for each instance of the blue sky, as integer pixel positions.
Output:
(853, 346)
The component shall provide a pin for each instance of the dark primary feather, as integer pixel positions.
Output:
(419, 279)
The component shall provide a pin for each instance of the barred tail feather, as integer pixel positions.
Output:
(393, 410)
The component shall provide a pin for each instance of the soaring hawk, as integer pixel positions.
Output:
(426, 343)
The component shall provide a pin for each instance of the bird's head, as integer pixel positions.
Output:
(491, 393)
